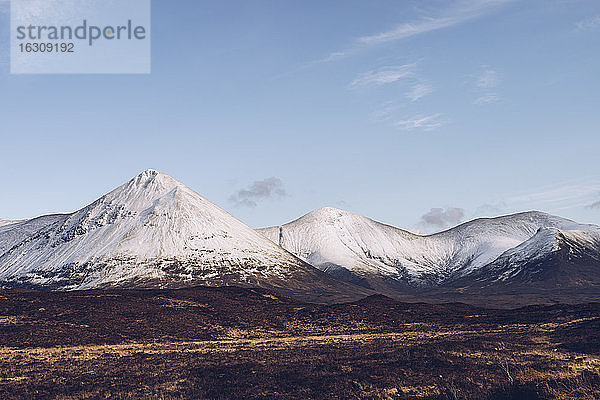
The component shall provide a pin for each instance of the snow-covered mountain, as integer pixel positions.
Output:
(380, 256)
(552, 258)
(153, 231)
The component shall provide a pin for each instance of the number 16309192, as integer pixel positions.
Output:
(47, 47)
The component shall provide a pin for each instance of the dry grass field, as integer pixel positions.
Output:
(233, 343)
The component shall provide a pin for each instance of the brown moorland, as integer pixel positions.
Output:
(236, 343)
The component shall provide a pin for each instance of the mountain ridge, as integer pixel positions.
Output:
(152, 231)
(390, 259)
(155, 232)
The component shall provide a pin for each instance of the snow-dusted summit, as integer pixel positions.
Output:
(381, 256)
(153, 231)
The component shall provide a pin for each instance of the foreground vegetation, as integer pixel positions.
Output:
(221, 343)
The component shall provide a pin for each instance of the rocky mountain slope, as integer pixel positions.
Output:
(153, 231)
(389, 259)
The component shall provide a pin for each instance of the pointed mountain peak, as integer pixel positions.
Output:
(144, 192)
(151, 232)
(151, 181)
(151, 175)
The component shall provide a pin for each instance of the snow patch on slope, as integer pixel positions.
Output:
(149, 224)
(539, 247)
(330, 236)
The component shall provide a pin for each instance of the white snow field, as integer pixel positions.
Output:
(153, 231)
(329, 236)
(152, 228)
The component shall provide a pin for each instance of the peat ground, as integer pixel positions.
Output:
(222, 343)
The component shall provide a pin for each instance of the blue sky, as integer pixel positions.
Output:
(273, 108)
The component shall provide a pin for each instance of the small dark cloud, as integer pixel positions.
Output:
(595, 205)
(270, 188)
(443, 218)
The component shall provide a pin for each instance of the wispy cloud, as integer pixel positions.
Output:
(569, 194)
(461, 12)
(425, 123)
(488, 79)
(572, 199)
(487, 98)
(590, 23)
(485, 81)
(259, 190)
(419, 91)
(465, 11)
(574, 195)
(383, 76)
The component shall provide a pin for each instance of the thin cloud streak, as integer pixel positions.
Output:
(464, 12)
(554, 199)
(419, 91)
(383, 76)
(488, 79)
(488, 98)
(560, 194)
(587, 24)
(425, 123)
